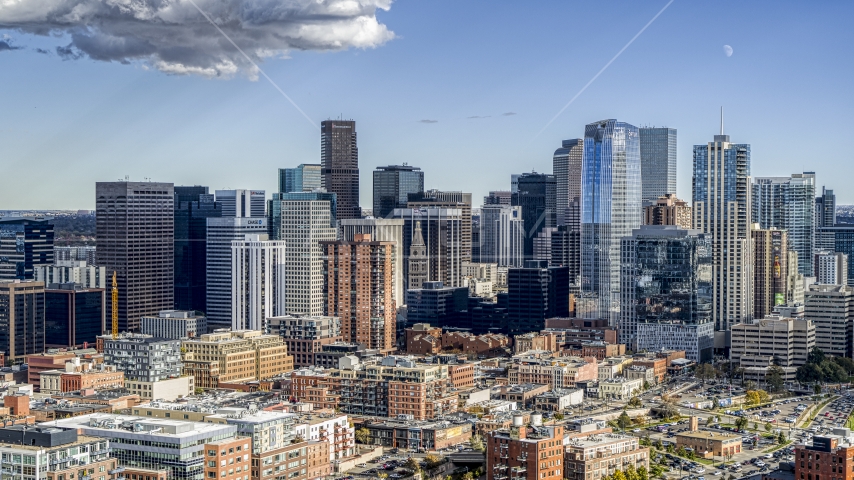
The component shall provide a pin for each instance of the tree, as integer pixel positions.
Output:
(705, 372)
(642, 473)
(832, 372)
(752, 397)
(635, 402)
(619, 475)
(781, 438)
(816, 356)
(631, 473)
(646, 385)
(624, 421)
(767, 427)
(749, 385)
(559, 416)
(774, 378)
(763, 396)
(476, 443)
(741, 423)
(412, 464)
(816, 388)
(432, 460)
(809, 373)
(846, 363)
(639, 420)
(363, 435)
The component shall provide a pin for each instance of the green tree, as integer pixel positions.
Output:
(781, 438)
(646, 385)
(363, 435)
(816, 356)
(432, 460)
(670, 448)
(774, 378)
(412, 464)
(624, 421)
(809, 373)
(705, 372)
(643, 474)
(619, 475)
(476, 443)
(846, 363)
(816, 388)
(832, 372)
(635, 402)
(559, 416)
(741, 423)
(767, 427)
(631, 473)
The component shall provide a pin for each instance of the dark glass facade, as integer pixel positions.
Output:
(193, 207)
(304, 178)
(537, 196)
(22, 315)
(535, 293)
(440, 306)
(392, 186)
(74, 317)
(24, 244)
(339, 161)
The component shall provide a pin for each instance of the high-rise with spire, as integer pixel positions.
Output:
(418, 273)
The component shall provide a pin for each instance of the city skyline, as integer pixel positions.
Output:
(167, 127)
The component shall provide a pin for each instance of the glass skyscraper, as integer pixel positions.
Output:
(721, 207)
(303, 178)
(566, 165)
(392, 186)
(193, 206)
(658, 162)
(666, 276)
(788, 203)
(610, 210)
(537, 196)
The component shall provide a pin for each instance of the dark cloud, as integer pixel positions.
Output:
(6, 44)
(174, 37)
(474, 117)
(42, 51)
(428, 121)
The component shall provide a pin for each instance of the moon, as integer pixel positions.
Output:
(727, 50)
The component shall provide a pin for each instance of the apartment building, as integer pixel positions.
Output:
(828, 456)
(228, 459)
(305, 336)
(524, 452)
(174, 324)
(152, 366)
(55, 454)
(596, 456)
(233, 357)
(758, 345)
(427, 435)
(562, 372)
(831, 309)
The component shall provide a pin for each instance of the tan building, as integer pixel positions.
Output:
(234, 357)
(359, 288)
(462, 375)
(535, 341)
(598, 350)
(758, 345)
(668, 210)
(560, 372)
(596, 456)
(76, 375)
(620, 388)
(38, 363)
(770, 248)
(228, 459)
(710, 444)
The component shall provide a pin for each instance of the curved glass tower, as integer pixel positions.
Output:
(610, 210)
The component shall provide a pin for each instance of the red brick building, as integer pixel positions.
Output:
(528, 452)
(228, 459)
(828, 458)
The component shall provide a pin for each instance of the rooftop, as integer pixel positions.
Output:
(702, 434)
(599, 440)
(104, 422)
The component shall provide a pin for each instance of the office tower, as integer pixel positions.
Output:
(536, 292)
(502, 235)
(72, 271)
(770, 247)
(438, 305)
(788, 203)
(79, 254)
(837, 239)
(668, 210)
(825, 209)
(439, 199)
(193, 207)
(721, 207)
(241, 203)
(380, 230)
(610, 210)
(831, 268)
(536, 196)
(74, 315)
(566, 165)
(658, 162)
(302, 221)
(303, 178)
(339, 160)
(359, 289)
(440, 230)
(831, 309)
(784, 342)
(514, 183)
(795, 282)
(220, 233)
(665, 273)
(174, 325)
(565, 251)
(22, 314)
(257, 281)
(25, 243)
(393, 185)
(475, 238)
(135, 237)
(498, 197)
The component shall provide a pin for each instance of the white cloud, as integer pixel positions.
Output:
(173, 37)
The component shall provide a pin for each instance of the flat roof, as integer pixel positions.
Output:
(184, 428)
(702, 434)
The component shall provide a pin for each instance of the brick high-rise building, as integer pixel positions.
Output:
(668, 210)
(525, 452)
(339, 163)
(359, 288)
(135, 237)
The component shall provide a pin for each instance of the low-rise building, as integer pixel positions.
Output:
(620, 388)
(707, 444)
(612, 367)
(562, 372)
(658, 365)
(55, 454)
(535, 341)
(423, 339)
(558, 399)
(523, 394)
(228, 459)
(40, 362)
(305, 336)
(532, 452)
(235, 356)
(645, 374)
(174, 324)
(597, 456)
(426, 435)
(596, 349)
(77, 375)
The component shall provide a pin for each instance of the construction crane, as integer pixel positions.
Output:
(115, 307)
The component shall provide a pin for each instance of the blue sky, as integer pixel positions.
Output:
(786, 90)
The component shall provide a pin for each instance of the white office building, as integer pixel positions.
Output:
(174, 324)
(695, 339)
(831, 268)
(242, 203)
(257, 281)
(502, 235)
(72, 271)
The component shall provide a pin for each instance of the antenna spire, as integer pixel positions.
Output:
(722, 120)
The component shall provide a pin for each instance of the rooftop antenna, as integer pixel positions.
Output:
(722, 120)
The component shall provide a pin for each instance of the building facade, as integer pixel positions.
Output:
(770, 269)
(74, 316)
(831, 309)
(785, 342)
(174, 325)
(535, 293)
(22, 314)
(25, 244)
(668, 210)
(305, 336)
(831, 268)
(242, 203)
(566, 165)
(339, 163)
(451, 200)
(523, 452)
(305, 177)
(658, 162)
(234, 357)
(72, 271)
(257, 281)
(441, 230)
(788, 203)
(393, 185)
(502, 235)
(594, 457)
(380, 230)
(143, 358)
(537, 197)
(193, 206)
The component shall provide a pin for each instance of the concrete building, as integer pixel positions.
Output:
(25, 244)
(380, 230)
(508, 451)
(594, 457)
(305, 336)
(72, 271)
(535, 341)
(47, 452)
(566, 165)
(79, 375)
(502, 235)
(831, 310)
(831, 268)
(668, 210)
(135, 237)
(78, 254)
(710, 444)
(144, 358)
(558, 399)
(658, 162)
(174, 325)
(51, 360)
(621, 389)
(562, 372)
(232, 357)
(242, 203)
(788, 203)
(74, 315)
(697, 341)
(180, 444)
(785, 342)
(257, 281)
(22, 313)
(359, 289)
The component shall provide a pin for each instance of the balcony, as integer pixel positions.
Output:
(518, 470)
(523, 458)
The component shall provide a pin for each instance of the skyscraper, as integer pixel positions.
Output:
(242, 203)
(668, 210)
(788, 203)
(536, 196)
(502, 235)
(825, 209)
(359, 289)
(302, 221)
(658, 162)
(22, 315)
(536, 292)
(566, 165)
(498, 197)
(770, 247)
(381, 230)
(25, 243)
(339, 160)
(392, 186)
(831, 268)
(441, 232)
(304, 178)
(135, 224)
(457, 200)
(193, 206)
(666, 291)
(721, 207)
(610, 210)
(257, 281)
